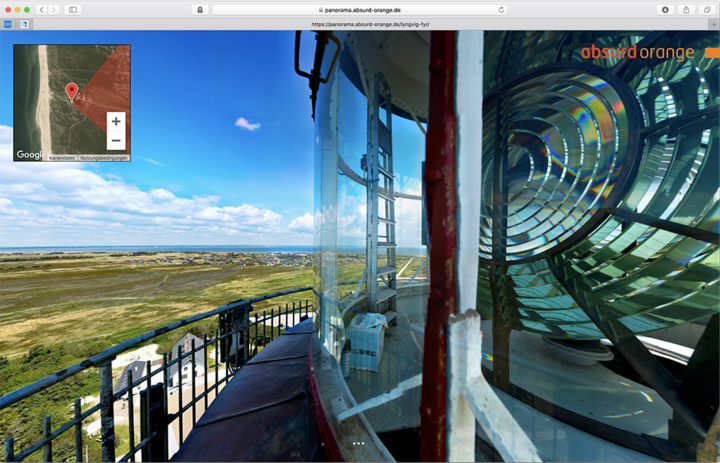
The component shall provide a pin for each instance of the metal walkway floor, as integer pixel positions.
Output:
(401, 359)
(262, 413)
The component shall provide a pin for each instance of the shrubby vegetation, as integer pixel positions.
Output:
(24, 420)
(23, 259)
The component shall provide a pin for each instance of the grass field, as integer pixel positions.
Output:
(80, 297)
(56, 311)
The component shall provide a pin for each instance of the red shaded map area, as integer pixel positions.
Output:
(108, 91)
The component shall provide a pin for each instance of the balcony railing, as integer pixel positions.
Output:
(236, 346)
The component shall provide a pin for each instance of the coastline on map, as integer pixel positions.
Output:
(26, 78)
(42, 112)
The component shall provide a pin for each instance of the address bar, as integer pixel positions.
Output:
(269, 9)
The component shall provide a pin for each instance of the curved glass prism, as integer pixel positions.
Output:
(600, 184)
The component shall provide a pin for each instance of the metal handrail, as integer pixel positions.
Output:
(104, 359)
(109, 354)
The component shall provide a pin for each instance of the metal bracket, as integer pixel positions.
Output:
(322, 38)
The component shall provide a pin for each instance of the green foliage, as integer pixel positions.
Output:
(24, 259)
(23, 421)
(120, 301)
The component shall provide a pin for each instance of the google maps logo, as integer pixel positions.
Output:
(17, 9)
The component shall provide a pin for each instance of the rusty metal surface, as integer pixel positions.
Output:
(258, 385)
(441, 207)
(304, 327)
(282, 348)
(261, 414)
(330, 445)
(277, 433)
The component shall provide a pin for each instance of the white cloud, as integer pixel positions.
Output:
(352, 220)
(245, 124)
(56, 204)
(302, 224)
(7, 208)
(152, 161)
(5, 134)
(247, 214)
(408, 213)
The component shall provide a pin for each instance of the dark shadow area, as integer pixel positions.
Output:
(403, 444)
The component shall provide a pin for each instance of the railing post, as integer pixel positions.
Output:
(131, 413)
(217, 371)
(9, 449)
(256, 336)
(245, 314)
(205, 368)
(47, 430)
(107, 419)
(164, 422)
(180, 385)
(146, 422)
(192, 360)
(236, 342)
(78, 431)
(227, 355)
(154, 421)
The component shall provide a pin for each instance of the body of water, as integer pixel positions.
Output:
(295, 249)
(26, 89)
(162, 249)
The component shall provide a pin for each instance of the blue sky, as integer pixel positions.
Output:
(198, 176)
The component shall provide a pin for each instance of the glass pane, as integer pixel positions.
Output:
(600, 185)
(566, 144)
(373, 271)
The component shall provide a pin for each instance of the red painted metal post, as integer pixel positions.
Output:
(441, 201)
(327, 438)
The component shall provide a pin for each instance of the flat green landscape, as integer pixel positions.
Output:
(58, 309)
(56, 299)
(71, 299)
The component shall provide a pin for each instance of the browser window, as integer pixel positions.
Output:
(498, 220)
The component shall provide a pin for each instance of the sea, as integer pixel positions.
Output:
(26, 89)
(211, 248)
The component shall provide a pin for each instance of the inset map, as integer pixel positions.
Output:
(62, 97)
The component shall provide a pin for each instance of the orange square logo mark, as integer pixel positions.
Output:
(712, 53)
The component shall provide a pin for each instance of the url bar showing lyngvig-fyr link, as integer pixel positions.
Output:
(270, 9)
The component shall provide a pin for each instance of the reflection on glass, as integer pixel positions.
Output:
(368, 236)
(600, 196)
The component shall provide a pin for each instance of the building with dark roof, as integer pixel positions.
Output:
(138, 370)
(185, 345)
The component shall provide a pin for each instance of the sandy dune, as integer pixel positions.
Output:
(42, 113)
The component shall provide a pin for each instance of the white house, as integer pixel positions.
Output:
(186, 372)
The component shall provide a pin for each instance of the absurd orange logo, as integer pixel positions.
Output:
(679, 54)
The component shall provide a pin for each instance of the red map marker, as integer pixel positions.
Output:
(71, 90)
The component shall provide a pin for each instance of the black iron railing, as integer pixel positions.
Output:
(236, 339)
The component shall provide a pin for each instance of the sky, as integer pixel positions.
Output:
(222, 149)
